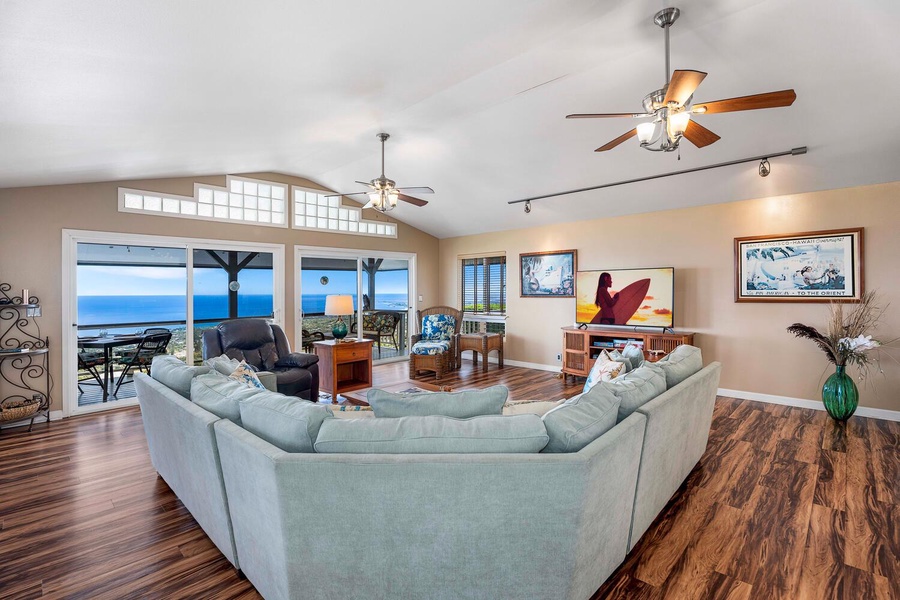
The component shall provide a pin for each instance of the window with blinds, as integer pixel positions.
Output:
(483, 289)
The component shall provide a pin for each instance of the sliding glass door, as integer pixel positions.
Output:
(129, 297)
(381, 287)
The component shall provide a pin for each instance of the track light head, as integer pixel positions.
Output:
(527, 206)
(764, 168)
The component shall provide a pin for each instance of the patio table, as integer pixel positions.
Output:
(107, 344)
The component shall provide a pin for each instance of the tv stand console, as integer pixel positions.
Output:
(582, 346)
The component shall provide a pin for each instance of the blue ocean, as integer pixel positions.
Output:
(111, 310)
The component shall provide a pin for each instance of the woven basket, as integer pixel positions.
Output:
(19, 410)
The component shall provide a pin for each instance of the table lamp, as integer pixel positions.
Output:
(338, 306)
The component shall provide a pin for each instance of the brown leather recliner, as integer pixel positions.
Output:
(265, 347)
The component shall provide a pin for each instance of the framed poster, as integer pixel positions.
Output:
(548, 274)
(811, 266)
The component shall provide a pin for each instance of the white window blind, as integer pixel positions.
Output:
(483, 285)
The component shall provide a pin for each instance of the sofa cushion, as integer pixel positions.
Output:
(604, 369)
(580, 420)
(433, 435)
(459, 405)
(174, 374)
(634, 354)
(438, 327)
(430, 347)
(284, 421)
(680, 364)
(636, 388)
(220, 395)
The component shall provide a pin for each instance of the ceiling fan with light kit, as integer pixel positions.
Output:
(671, 107)
(383, 194)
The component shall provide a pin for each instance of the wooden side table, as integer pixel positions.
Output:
(344, 366)
(480, 342)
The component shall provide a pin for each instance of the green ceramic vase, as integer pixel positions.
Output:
(840, 396)
(339, 329)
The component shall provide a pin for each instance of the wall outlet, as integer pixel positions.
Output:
(559, 357)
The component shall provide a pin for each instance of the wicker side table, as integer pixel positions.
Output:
(480, 342)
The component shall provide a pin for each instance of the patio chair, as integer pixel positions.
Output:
(434, 348)
(151, 345)
(309, 338)
(88, 362)
(379, 325)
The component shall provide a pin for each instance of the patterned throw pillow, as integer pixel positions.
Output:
(604, 369)
(245, 374)
(438, 327)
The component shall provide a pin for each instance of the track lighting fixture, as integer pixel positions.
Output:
(764, 169)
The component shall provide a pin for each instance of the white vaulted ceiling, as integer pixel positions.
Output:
(473, 92)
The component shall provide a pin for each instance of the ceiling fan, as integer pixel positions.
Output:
(384, 194)
(671, 106)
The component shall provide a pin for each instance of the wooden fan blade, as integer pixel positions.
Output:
(754, 102)
(682, 85)
(607, 115)
(412, 200)
(353, 194)
(366, 183)
(699, 135)
(416, 190)
(617, 141)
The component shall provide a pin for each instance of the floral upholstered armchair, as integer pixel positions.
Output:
(434, 348)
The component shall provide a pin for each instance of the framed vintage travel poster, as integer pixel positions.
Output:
(812, 266)
(548, 274)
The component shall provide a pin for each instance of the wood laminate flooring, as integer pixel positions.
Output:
(783, 505)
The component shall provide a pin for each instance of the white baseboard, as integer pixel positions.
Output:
(55, 415)
(862, 411)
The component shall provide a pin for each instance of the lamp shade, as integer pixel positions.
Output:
(336, 305)
(645, 131)
(678, 122)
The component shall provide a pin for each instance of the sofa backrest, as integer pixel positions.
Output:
(184, 452)
(443, 525)
(678, 423)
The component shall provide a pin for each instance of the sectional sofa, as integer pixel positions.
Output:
(453, 525)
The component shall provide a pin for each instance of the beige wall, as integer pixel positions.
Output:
(750, 340)
(31, 221)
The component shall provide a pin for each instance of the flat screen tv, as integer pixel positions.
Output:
(635, 297)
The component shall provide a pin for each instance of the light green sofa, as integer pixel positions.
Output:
(428, 526)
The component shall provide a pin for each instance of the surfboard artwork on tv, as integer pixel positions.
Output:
(635, 297)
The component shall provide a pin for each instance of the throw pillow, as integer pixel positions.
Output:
(619, 357)
(284, 421)
(634, 353)
(174, 374)
(529, 407)
(223, 364)
(636, 388)
(680, 364)
(433, 435)
(245, 374)
(459, 405)
(438, 327)
(580, 420)
(604, 369)
(220, 395)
